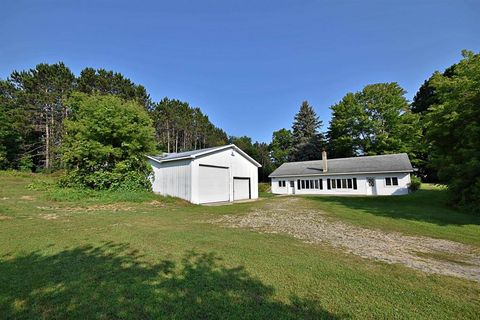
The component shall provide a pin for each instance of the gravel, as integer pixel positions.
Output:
(286, 215)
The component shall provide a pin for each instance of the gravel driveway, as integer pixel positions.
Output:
(286, 215)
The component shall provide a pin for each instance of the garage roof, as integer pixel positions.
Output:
(366, 164)
(198, 153)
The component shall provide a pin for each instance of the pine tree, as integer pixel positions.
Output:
(307, 141)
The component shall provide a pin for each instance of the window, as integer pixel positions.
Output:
(292, 184)
(391, 181)
(316, 184)
(298, 184)
(303, 184)
(341, 183)
(388, 181)
(321, 184)
(282, 183)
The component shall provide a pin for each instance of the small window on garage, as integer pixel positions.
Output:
(339, 183)
(321, 184)
(316, 184)
(395, 181)
(303, 184)
(279, 183)
(334, 184)
(355, 183)
(349, 182)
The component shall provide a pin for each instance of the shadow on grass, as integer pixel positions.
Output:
(423, 205)
(110, 282)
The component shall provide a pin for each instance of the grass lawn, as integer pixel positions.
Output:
(70, 254)
(423, 213)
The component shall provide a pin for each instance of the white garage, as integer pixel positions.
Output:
(218, 174)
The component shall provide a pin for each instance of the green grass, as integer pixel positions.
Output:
(74, 254)
(422, 213)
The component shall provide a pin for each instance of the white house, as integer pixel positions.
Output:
(216, 174)
(370, 175)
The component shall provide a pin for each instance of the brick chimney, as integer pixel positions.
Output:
(324, 160)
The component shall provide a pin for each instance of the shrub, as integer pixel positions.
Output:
(105, 144)
(415, 183)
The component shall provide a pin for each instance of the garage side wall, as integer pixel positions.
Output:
(172, 178)
(237, 164)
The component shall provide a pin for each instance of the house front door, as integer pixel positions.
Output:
(371, 189)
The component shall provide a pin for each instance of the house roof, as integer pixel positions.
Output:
(366, 164)
(198, 153)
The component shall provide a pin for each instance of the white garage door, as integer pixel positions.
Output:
(241, 188)
(213, 184)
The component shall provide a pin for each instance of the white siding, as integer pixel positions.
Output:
(237, 164)
(172, 178)
(380, 187)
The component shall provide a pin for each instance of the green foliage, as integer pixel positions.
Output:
(180, 127)
(376, 120)
(106, 143)
(453, 129)
(281, 146)
(307, 142)
(259, 151)
(101, 81)
(415, 183)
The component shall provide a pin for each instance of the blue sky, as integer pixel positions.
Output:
(247, 64)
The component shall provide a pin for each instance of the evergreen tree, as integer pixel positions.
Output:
(307, 141)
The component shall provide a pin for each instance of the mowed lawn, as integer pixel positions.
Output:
(70, 254)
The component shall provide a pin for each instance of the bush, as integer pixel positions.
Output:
(105, 144)
(415, 183)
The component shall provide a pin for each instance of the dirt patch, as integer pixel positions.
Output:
(156, 203)
(286, 216)
(99, 207)
(4, 218)
(29, 198)
(49, 216)
(4, 198)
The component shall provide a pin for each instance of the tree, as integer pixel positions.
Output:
(307, 142)
(39, 98)
(106, 141)
(281, 146)
(453, 129)
(376, 120)
(425, 98)
(180, 127)
(101, 81)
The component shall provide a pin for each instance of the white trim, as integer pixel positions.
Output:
(333, 174)
(207, 152)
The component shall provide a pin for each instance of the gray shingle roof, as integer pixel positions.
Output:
(367, 164)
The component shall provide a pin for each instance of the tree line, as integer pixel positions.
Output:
(439, 129)
(33, 109)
